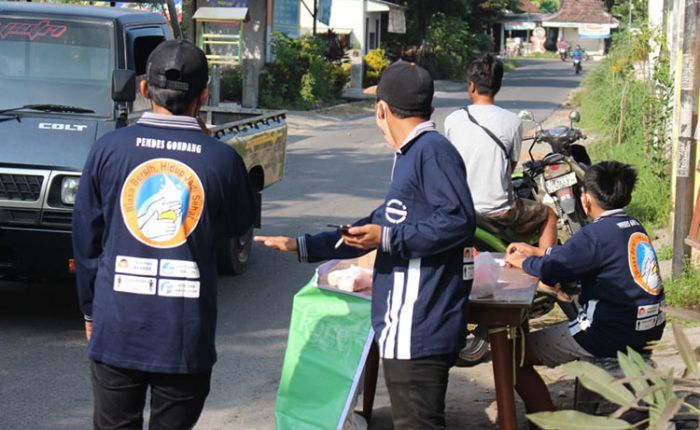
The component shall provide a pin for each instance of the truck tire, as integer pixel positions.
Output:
(233, 254)
(476, 348)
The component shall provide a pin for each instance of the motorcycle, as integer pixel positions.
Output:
(577, 65)
(556, 181)
(563, 53)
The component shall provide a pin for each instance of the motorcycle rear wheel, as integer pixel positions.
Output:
(476, 348)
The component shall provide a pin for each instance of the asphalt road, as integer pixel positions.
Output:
(337, 171)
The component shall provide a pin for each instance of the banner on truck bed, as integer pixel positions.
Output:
(329, 339)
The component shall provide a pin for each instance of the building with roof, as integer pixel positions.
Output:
(583, 22)
(513, 33)
(362, 23)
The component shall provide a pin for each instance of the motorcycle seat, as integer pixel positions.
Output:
(488, 225)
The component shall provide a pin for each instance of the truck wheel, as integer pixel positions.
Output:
(233, 254)
(476, 348)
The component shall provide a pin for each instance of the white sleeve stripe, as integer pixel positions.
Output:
(386, 240)
(301, 249)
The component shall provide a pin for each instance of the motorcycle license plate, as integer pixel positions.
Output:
(556, 184)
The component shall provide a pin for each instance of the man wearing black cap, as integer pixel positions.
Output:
(151, 201)
(422, 233)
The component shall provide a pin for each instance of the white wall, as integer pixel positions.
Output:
(344, 14)
(591, 46)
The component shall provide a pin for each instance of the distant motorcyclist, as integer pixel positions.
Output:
(577, 56)
(563, 49)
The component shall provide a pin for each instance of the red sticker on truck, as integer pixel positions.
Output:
(32, 30)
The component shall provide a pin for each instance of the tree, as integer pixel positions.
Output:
(549, 6)
(621, 9)
(480, 15)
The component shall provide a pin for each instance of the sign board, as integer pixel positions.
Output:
(593, 31)
(519, 25)
(324, 11)
(285, 17)
(397, 21)
(329, 339)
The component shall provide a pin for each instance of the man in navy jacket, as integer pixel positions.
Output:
(622, 293)
(422, 232)
(153, 197)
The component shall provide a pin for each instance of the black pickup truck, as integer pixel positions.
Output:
(67, 77)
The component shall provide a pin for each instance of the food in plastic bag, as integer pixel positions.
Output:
(352, 279)
(486, 273)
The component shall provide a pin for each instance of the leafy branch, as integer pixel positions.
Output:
(661, 395)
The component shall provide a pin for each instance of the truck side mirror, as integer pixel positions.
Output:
(123, 85)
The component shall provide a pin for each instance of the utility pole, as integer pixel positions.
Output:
(629, 21)
(314, 13)
(685, 164)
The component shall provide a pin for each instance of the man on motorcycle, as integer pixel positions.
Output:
(488, 138)
(577, 56)
(622, 293)
(563, 49)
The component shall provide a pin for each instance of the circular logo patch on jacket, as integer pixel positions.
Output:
(643, 263)
(395, 211)
(161, 202)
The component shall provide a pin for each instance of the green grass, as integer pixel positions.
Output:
(599, 102)
(510, 64)
(683, 291)
(665, 252)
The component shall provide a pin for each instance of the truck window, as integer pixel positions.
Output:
(60, 61)
(142, 41)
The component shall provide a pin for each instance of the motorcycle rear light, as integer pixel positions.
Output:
(564, 194)
(556, 170)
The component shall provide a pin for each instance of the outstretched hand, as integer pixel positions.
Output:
(279, 243)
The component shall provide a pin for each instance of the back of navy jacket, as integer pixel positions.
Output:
(421, 282)
(152, 200)
(622, 293)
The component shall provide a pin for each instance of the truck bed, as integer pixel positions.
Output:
(259, 136)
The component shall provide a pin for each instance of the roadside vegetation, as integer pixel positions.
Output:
(625, 107)
(308, 72)
(683, 291)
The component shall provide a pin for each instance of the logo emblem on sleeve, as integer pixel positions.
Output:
(162, 202)
(643, 263)
(395, 211)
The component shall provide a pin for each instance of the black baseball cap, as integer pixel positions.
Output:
(406, 86)
(178, 65)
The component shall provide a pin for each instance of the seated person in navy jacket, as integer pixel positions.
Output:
(621, 295)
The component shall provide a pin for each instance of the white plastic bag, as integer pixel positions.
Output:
(486, 274)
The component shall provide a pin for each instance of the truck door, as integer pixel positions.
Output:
(140, 43)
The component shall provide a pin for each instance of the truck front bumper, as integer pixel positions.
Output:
(34, 252)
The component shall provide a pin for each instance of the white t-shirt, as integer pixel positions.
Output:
(488, 171)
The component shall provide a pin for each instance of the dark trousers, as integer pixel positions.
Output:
(120, 396)
(417, 391)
